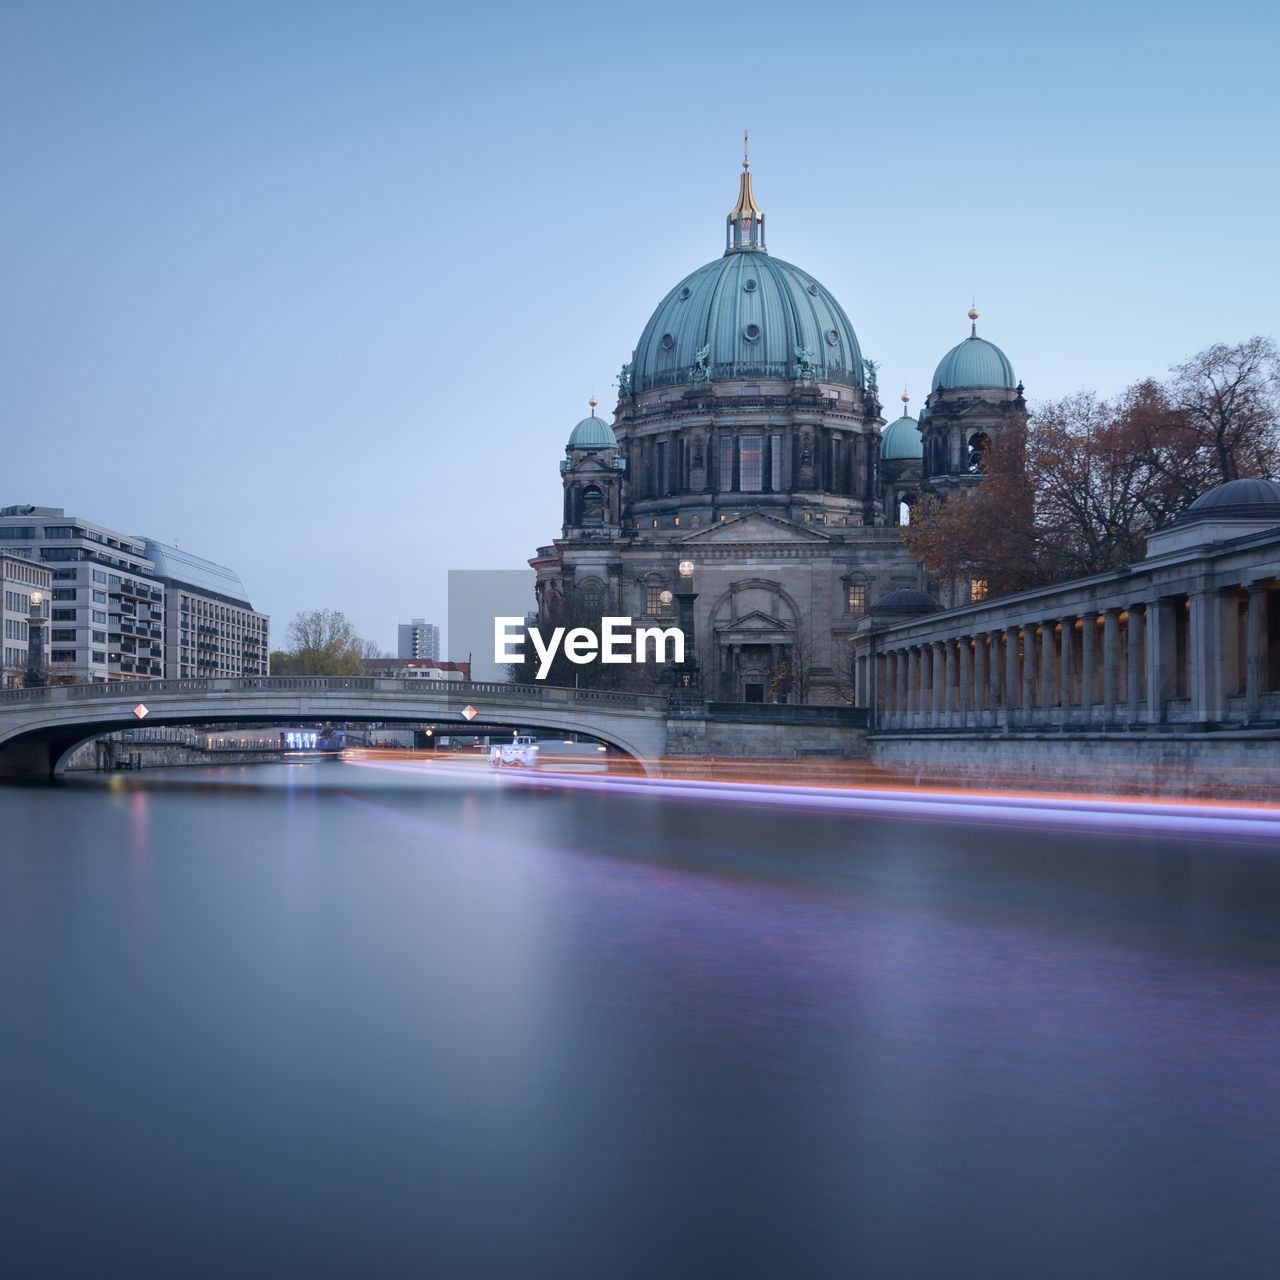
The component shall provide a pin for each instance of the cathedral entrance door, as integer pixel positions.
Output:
(754, 693)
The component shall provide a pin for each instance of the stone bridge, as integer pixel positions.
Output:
(40, 727)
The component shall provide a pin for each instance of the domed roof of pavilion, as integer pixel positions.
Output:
(1251, 499)
(975, 362)
(592, 433)
(904, 602)
(747, 315)
(900, 441)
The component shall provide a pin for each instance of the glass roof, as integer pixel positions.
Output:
(203, 575)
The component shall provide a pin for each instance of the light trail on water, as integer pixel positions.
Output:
(1255, 824)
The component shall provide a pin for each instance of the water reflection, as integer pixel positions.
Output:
(331, 1021)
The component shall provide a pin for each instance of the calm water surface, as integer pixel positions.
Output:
(332, 1020)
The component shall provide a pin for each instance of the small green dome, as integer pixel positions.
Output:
(593, 433)
(901, 440)
(975, 362)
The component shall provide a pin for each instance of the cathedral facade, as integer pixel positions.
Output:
(749, 468)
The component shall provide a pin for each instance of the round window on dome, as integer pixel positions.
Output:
(685, 292)
(832, 337)
(667, 342)
(813, 289)
(751, 332)
(750, 286)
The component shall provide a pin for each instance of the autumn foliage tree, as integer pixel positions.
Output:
(1079, 491)
(986, 531)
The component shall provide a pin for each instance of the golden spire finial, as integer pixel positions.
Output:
(745, 229)
(593, 402)
(973, 316)
(905, 398)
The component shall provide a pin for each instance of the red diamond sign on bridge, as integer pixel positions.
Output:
(470, 712)
(140, 710)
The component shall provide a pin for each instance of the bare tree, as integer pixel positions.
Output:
(322, 643)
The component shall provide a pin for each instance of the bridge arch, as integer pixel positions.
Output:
(40, 727)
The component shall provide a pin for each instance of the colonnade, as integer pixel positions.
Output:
(1209, 656)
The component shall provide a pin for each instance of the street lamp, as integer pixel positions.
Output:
(687, 689)
(34, 677)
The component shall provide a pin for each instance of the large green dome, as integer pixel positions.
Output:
(746, 315)
(754, 317)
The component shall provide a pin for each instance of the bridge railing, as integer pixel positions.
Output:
(435, 691)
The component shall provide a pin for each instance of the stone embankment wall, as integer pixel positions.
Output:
(106, 755)
(1225, 766)
(744, 730)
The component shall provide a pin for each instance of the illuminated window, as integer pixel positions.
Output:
(977, 588)
(857, 597)
(653, 600)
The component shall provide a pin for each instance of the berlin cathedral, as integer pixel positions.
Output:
(749, 455)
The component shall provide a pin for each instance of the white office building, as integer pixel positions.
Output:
(210, 628)
(22, 579)
(106, 615)
(419, 639)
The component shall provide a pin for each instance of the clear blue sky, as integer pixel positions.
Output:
(320, 288)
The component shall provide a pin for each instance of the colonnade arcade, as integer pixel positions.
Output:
(1207, 656)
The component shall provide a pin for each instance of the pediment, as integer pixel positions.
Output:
(755, 622)
(755, 526)
(583, 465)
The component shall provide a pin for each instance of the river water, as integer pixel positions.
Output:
(342, 1020)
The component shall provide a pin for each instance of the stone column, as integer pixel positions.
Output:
(1088, 655)
(1066, 668)
(1048, 670)
(995, 677)
(938, 685)
(1160, 640)
(1231, 646)
(981, 679)
(1029, 671)
(900, 679)
(948, 679)
(1204, 640)
(1255, 641)
(1012, 683)
(913, 680)
(1133, 664)
(1110, 663)
(967, 701)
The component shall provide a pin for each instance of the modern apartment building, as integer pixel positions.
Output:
(21, 580)
(419, 639)
(106, 613)
(210, 627)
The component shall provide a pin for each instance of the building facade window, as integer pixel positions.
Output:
(857, 597)
(726, 464)
(751, 463)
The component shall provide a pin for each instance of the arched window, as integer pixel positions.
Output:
(592, 506)
(978, 443)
